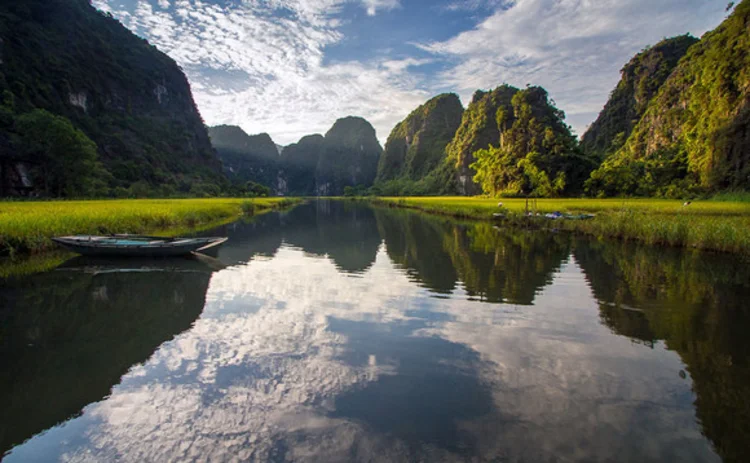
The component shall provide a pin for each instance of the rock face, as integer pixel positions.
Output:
(349, 158)
(315, 166)
(416, 146)
(477, 131)
(694, 135)
(246, 157)
(299, 163)
(641, 79)
(132, 100)
(535, 154)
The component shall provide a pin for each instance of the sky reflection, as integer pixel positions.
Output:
(294, 359)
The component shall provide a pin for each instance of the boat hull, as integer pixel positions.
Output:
(104, 246)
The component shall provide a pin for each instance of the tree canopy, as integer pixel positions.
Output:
(536, 154)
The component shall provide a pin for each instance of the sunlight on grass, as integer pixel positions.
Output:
(27, 226)
(712, 225)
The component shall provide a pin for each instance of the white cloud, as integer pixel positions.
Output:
(574, 48)
(373, 6)
(561, 382)
(259, 64)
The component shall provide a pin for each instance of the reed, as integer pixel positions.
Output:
(711, 225)
(26, 227)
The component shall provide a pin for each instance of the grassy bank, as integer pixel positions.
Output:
(26, 227)
(712, 225)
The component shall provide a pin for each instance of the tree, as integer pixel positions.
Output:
(66, 158)
(536, 156)
(255, 189)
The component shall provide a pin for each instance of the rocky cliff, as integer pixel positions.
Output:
(130, 99)
(641, 79)
(477, 131)
(416, 146)
(694, 135)
(317, 165)
(299, 163)
(246, 157)
(349, 158)
(535, 153)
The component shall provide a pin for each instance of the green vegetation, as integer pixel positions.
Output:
(697, 304)
(414, 155)
(710, 225)
(675, 126)
(478, 130)
(536, 153)
(64, 158)
(132, 101)
(25, 227)
(692, 138)
(641, 79)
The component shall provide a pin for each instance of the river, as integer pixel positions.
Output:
(341, 332)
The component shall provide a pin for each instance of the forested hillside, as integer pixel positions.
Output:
(535, 153)
(477, 131)
(414, 161)
(641, 79)
(89, 109)
(74, 77)
(694, 137)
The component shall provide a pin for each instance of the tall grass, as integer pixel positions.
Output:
(736, 196)
(26, 227)
(711, 225)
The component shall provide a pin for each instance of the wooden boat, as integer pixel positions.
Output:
(135, 245)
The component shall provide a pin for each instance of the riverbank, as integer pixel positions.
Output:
(27, 226)
(710, 225)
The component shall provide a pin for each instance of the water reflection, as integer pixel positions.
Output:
(433, 390)
(699, 305)
(456, 342)
(69, 335)
(345, 232)
(494, 265)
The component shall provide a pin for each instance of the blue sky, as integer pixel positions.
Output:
(292, 67)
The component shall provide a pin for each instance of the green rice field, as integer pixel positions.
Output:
(711, 225)
(26, 226)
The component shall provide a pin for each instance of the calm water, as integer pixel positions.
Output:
(338, 332)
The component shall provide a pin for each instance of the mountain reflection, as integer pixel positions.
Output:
(699, 305)
(343, 231)
(72, 333)
(455, 342)
(491, 265)
(494, 265)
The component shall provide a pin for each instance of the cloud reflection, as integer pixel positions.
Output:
(293, 359)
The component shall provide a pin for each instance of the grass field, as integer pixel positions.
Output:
(711, 225)
(26, 227)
